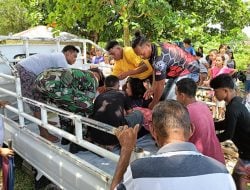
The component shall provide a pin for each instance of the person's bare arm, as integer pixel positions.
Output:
(232, 72)
(142, 68)
(209, 77)
(127, 139)
(158, 88)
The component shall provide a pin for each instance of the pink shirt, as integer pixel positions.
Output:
(204, 136)
(215, 71)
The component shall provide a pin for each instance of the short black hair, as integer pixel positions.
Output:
(187, 86)
(199, 54)
(111, 44)
(222, 81)
(187, 41)
(70, 48)
(111, 81)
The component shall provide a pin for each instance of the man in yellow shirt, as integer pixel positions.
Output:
(127, 63)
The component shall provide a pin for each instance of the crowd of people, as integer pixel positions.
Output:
(190, 154)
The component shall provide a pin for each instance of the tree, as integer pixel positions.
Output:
(38, 11)
(106, 17)
(102, 20)
(231, 15)
(170, 19)
(13, 17)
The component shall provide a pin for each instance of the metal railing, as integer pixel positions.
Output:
(43, 122)
(56, 41)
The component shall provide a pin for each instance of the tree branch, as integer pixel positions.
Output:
(139, 15)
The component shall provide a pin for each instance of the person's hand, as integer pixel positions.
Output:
(6, 152)
(123, 75)
(3, 103)
(147, 95)
(127, 136)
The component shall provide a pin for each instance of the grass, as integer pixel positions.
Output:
(23, 181)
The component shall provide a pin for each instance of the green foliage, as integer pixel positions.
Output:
(13, 17)
(102, 20)
(38, 11)
(157, 19)
(106, 19)
(242, 56)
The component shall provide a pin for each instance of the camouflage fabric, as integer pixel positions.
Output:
(70, 89)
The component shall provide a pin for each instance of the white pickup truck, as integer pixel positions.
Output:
(86, 170)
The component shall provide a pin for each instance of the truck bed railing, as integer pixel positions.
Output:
(43, 122)
(57, 41)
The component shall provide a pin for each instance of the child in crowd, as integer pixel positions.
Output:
(230, 62)
(203, 68)
(222, 50)
(218, 69)
(188, 46)
(212, 57)
(98, 58)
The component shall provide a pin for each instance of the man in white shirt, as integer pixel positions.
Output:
(177, 165)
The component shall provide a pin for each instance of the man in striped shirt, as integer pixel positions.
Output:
(177, 164)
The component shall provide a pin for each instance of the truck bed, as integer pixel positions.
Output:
(146, 142)
(54, 161)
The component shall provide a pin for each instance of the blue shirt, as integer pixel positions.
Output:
(190, 50)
